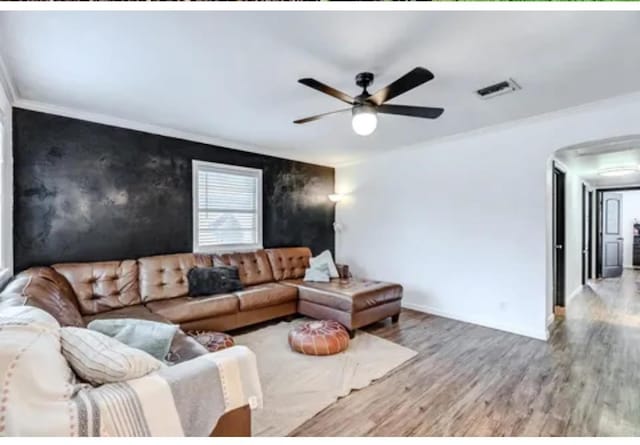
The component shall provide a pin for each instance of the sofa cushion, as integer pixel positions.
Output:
(289, 262)
(183, 309)
(264, 295)
(351, 295)
(137, 311)
(165, 276)
(253, 267)
(44, 288)
(102, 286)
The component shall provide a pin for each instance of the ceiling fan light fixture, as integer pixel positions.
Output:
(365, 107)
(618, 171)
(364, 120)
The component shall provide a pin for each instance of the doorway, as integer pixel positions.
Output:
(611, 235)
(616, 244)
(559, 224)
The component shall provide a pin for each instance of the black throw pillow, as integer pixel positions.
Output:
(213, 280)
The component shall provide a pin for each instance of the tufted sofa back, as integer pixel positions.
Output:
(289, 263)
(165, 276)
(102, 286)
(70, 291)
(253, 267)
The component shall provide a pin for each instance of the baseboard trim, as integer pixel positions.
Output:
(573, 294)
(500, 327)
(550, 319)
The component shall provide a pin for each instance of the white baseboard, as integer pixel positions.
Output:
(550, 319)
(573, 294)
(501, 327)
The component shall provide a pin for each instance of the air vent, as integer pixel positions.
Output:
(504, 87)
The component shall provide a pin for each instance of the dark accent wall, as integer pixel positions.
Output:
(89, 192)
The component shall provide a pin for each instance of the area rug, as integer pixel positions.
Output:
(296, 387)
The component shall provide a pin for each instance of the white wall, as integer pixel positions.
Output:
(465, 223)
(630, 212)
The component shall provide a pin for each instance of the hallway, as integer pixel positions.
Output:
(468, 380)
(598, 349)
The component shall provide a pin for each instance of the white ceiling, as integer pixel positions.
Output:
(232, 75)
(589, 159)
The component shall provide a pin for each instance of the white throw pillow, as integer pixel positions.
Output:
(325, 258)
(100, 359)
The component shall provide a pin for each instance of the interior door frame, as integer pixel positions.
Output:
(559, 227)
(599, 192)
(590, 196)
(584, 235)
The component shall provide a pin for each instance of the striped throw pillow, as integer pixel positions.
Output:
(97, 358)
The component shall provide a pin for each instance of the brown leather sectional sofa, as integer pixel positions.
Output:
(156, 288)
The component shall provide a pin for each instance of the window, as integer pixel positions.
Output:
(227, 207)
(5, 199)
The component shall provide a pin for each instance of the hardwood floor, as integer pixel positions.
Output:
(473, 381)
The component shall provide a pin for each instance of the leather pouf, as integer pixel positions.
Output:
(323, 337)
(213, 341)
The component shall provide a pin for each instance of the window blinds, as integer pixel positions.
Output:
(227, 206)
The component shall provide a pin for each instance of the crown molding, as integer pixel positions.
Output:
(504, 126)
(105, 119)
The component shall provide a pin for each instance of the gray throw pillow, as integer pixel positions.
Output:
(205, 281)
(152, 337)
(318, 272)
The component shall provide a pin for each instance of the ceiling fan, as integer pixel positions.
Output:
(365, 106)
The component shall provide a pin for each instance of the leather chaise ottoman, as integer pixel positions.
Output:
(352, 302)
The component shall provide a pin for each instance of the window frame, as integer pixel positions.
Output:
(197, 167)
(6, 194)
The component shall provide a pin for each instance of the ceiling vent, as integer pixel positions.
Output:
(504, 87)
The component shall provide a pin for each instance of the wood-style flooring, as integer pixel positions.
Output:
(473, 381)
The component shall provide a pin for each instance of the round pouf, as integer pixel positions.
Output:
(213, 341)
(323, 337)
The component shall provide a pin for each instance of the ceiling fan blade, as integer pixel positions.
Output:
(412, 79)
(319, 116)
(407, 110)
(326, 89)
